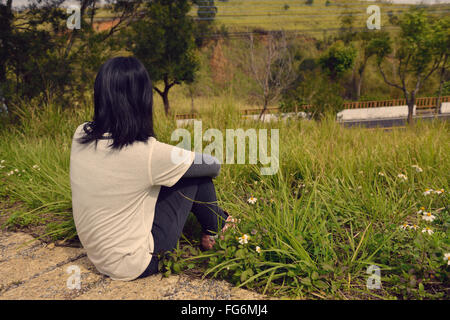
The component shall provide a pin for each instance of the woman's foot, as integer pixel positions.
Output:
(208, 241)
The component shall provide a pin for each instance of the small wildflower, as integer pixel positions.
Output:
(3, 161)
(404, 226)
(381, 174)
(427, 230)
(414, 226)
(35, 166)
(359, 187)
(258, 249)
(252, 200)
(439, 191)
(447, 258)
(428, 191)
(422, 210)
(418, 169)
(16, 170)
(402, 176)
(244, 239)
(427, 216)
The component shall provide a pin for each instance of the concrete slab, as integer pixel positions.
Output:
(393, 112)
(174, 287)
(53, 285)
(29, 264)
(445, 107)
(36, 271)
(12, 244)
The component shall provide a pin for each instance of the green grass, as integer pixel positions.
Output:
(314, 19)
(320, 221)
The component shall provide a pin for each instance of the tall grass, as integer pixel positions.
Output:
(334, 207)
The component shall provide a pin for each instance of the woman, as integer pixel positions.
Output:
(131, 194)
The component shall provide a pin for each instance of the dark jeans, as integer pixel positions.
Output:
(196, 195)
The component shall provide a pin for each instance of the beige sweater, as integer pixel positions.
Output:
(113, 198)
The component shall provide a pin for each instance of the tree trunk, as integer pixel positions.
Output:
(411, 102)
(165, 97)
(441, 82)
(264, 109)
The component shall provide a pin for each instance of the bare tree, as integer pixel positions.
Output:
(270, 64)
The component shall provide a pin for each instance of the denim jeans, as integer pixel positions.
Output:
(196, 195)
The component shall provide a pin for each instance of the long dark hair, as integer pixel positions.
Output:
(123, 104)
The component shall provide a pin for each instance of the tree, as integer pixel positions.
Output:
(270, 65)
(41, 58)
(367, 44)
(164, 41)
(206, 13)
(338, 59)
(442, 46)
(420, 52)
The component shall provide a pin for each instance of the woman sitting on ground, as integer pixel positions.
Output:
(131, 194)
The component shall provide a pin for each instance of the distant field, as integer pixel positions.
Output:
(316, 18)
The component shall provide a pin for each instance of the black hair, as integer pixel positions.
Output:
(123, 104)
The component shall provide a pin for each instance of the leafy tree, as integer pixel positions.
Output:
(338, 59)
(421, 50)
(164, 41)
(367, 42)
(442, 46)
(204, 24)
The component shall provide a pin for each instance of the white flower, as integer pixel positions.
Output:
(402, 176)
(428, 191)
(16, 170)
(252, 200)
(418, 169)
(3, 161)
(258, 249)
(427, 216)
(422, 210)
(381, 174)
(414, 226)
(439, 191)
(36, 167)
(427, 230)
(404, 226)
(244, 239)
(447, 258)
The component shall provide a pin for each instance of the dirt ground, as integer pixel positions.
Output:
(31, 269)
